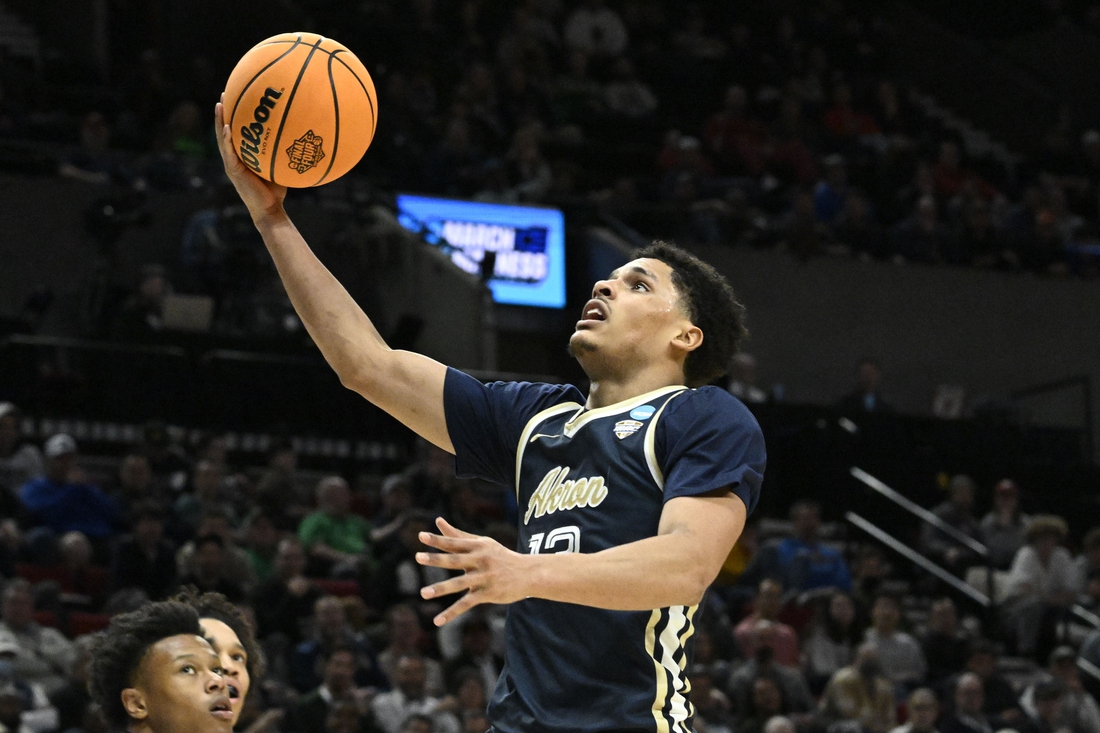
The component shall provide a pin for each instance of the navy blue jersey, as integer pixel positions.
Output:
(587, 480)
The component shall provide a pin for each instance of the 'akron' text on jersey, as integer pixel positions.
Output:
(555, 493)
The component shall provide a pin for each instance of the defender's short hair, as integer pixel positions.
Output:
(710, 304)
(217, 606)
(118, 651)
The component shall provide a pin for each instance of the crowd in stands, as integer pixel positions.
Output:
(773, 126)
(803, 632)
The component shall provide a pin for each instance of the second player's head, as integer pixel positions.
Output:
(153, 672)
(666, 309)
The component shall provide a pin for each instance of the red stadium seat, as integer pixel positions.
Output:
(337, 587)
(47, 618)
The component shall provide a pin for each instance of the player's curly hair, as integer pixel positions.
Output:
(710, 304)
(217, 606)
(118, 651)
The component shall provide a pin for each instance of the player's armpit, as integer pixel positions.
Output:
(708, 525)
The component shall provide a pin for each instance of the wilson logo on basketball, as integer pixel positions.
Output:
(305, 152)
(253, 136)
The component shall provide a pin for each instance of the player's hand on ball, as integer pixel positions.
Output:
(257, 194)
(491, 572)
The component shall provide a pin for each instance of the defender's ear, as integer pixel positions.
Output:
(134, 702)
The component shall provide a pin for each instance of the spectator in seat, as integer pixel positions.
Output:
(39, 655)
(62, 502)
(860, 693)
(982, 243)
(332, 536)
(958, 512)
(207, 493)
(409, 697)
(134, 483)
(792, 685)
(998, 694)
(626, 95)
(766, 703)
(969, 715)
(261, 540)
(238, 566)
(210, 571)
(467, 695)
(763, 628)
(331, 630)
(86, 583)
(1088, 562)
(712, 707)
(1041, 584)
(832, 642)
(1004, 528)
(857, 228)
(596, 30)
(922, 237)
(845, 121)
(945, 646)
(865, 399)
(145, 559)
(286, 600)
(20, 460)
(310, 712)
(72, 700)
(807, 564)
(406, 637)
(141, 316)
(1050, 700)
(924, 710)
(899, 653)
(476, 653)
(1078, 710)
(831, 193)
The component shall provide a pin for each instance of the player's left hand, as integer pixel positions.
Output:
(491, 572)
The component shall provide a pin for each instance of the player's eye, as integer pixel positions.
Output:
(641, 285)
(239, 658)
(188, 669)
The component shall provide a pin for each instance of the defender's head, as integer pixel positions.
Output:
(666, 308)
(153, 672)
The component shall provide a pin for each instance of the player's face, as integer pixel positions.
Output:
(634, 317)
(178, 688)
(233, 659)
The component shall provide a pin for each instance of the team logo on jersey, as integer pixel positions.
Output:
(643, 413)
(624, 428)
(306, 152)
(555, 493)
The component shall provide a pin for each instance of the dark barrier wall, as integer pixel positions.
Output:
(991, 333)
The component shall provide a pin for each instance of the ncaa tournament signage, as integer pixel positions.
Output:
(527, 242)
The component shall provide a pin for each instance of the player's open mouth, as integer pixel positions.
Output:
(222, 708)
(594, 310)
(233, 691)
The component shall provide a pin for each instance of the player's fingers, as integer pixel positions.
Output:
(450, 530)
(447, 544)
(445, 560)
(449, 586)
(459, 607)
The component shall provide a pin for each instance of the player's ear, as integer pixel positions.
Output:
(689, 338)
(134, 702)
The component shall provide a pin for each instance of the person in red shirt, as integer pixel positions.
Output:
(762, 627)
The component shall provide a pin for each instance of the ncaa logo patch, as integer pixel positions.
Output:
(624, 428)
(643, 413)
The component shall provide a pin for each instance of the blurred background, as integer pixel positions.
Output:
(906, 196)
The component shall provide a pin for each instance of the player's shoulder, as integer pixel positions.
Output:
(711, 404)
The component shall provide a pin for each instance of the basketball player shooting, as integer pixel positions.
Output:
(630, 498)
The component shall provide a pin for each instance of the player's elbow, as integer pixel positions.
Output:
(694, 586)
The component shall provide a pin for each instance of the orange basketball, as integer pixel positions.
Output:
(302, 109)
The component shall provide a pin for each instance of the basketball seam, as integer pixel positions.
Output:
(370, 101)
(233, 114)
(286, 110)
(336, 121)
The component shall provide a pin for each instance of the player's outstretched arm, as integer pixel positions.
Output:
(406, 385)
(673, 568)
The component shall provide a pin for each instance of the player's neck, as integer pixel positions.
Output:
(610, 390)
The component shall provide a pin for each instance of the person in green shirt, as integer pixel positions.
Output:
(334, 538)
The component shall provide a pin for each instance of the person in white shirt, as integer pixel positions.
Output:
(1042, 582)
(902, 659)
(19, 461)
(391, 709)
(596, 29)
(39, 654)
